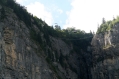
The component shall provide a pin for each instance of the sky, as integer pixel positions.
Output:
(81, 14)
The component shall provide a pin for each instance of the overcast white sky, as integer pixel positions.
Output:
(81, 14)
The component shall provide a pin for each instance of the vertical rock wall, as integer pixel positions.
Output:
(106, 54)
(18, 59)
(21, 58)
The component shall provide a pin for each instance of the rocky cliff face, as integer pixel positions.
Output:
(23, 58)
(18, 59)
(105, 54)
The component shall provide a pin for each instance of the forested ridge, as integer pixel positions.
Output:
(79, 38)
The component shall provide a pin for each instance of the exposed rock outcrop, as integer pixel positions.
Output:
(22, 58)
(105, 54)
(18, 59)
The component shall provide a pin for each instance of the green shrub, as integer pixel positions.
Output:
(107, 26)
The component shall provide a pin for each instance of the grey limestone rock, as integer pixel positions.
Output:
(106, 54)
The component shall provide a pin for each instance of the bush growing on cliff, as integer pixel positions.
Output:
(107, 26)
(115, 21)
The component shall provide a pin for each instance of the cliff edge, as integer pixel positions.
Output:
(105, 54)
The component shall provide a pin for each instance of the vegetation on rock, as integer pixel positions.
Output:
(78, 39)
(107, 25)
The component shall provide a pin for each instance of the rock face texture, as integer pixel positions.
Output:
(22, 58)
(105, 54)
(18, 59)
